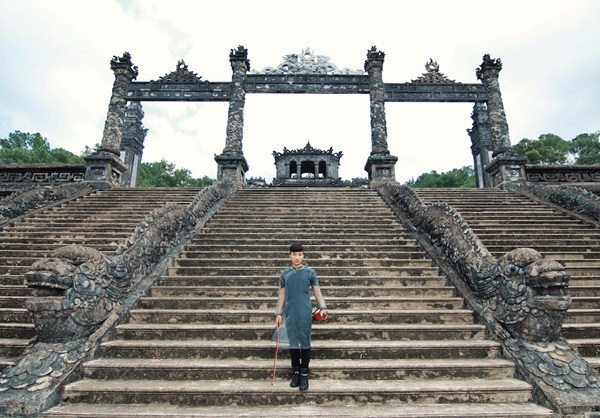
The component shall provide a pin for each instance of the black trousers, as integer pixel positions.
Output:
(300, 357)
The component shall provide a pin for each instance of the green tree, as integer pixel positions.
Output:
(458, 177)
(586, 148)
(164, 174)
(548, 149)
(26, 148)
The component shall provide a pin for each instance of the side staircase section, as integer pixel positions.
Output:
(398, 341)
(101, 220)
(505, 220)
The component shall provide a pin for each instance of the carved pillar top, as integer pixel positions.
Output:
(123, 66)
(239, 56)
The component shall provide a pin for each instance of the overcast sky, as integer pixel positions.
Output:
(55, 75)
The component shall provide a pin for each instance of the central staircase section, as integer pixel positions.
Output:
(398, 342)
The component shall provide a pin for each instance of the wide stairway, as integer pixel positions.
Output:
(504, 221)
(398, 341)
(101, 220)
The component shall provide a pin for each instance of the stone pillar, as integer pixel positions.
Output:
(105, 165)
(380, 164)
(231, 163)
(507, 166)
(124, 72)
(132, 144)
(481, 144)
(488, 74)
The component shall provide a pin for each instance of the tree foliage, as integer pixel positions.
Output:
(457, 177)
(552, 149)
(26, 148)
(164, 174)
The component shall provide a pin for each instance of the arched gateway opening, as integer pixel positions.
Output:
(300, 74)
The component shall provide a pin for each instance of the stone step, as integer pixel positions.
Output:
(580, 291)
(586, 302)
(331, 291)
(17, 330)
(16, 315)
(311, 243)
(579, 316)
(370, 409)
(6, 361)
(12, 347)
(266, 303)
(406, 254)
(581, 330)
(239, 316)
(207, 369)
(14, 290)
(587, 347)
(316, 263)
(250, 392)
(248, 332)
(273, 280)
(336, 270)
(12, 301)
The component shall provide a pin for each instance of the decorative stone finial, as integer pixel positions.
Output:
(493, 65)
(433, 74)
(120, 64)
(240, 54)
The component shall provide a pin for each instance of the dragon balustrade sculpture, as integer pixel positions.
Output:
(521, 291)
(80, 294)
(572, 198)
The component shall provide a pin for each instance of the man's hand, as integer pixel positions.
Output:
(278, 320)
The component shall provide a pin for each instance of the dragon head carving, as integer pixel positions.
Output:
(529, 295)
(74, 292)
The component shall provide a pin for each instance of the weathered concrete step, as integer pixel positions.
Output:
(330, 291)
(207, 369)
(108, 227)
(57, 235)
(371, 409)
(17, 330)
(281, 249)
(374, 316)
(308, 229)
(283, 242)
(544, 234)
(354, 219)
(304, 236)
(581, 330)
(266, 303)
(248, 332)
(579, 316)
(325, 270)
(17, 315)
(540, 242)
(584, 280)
(248, 392)
(6, 361)
(397, 254)
(326, 349)
(317, 263)
(586, 302)
(15, 290)
(583, 291)
(12, 347)
(12, 301)
(42, 248)
(324, 280)
(587, 347)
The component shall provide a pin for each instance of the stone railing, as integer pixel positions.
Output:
(34, 197)
(80, 295)
(16, 176)
(574, 199)
(555, 174)
(519, 296)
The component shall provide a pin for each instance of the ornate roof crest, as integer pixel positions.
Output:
(181, 75)
(307, 62)
(308, 149)
(433, 75)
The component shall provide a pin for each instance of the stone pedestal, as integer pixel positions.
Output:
(231, 168)
(105, 169)
(506, 170)
(380, 168)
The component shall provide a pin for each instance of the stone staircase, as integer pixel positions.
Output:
(504, 220)
(102, 220)
(398, 341)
